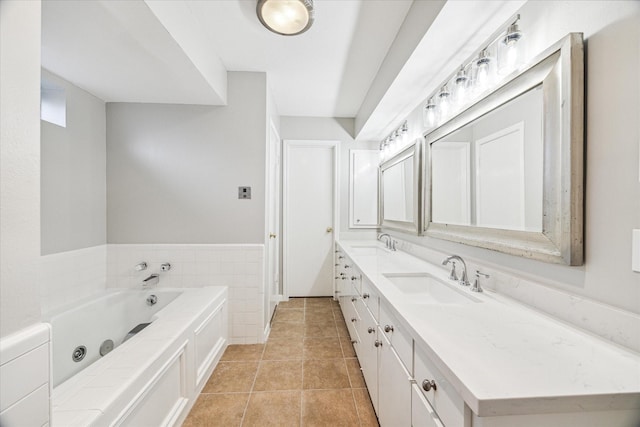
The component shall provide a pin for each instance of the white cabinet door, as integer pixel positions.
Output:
(394, 387)
(363, 188)
(422, 413)
(368, 356)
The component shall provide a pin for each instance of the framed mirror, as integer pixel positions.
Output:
(401, 190)
(507, 173)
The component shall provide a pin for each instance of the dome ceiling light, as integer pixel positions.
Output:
(286, 17)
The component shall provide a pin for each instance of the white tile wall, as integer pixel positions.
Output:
(613, 324)
(68, 276)
(238, 266)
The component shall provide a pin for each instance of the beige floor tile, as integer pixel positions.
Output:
(342, 329)
(289, 315)
(314, 303)
(231, 377)
(324, 408)
(355, 373)
(325, 374)
(217, 410)
(286, 330)
(283, 349)
(292, 303)
(365, 408)
(322, 348)
(323, 329)
(318, 316)
(279, 408)
(243, 352)
(279, 375)
(347, 347)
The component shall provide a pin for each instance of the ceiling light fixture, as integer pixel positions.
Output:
(286, 17)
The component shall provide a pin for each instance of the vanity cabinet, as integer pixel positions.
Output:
(394, 387)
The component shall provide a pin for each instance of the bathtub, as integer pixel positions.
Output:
(150, 379)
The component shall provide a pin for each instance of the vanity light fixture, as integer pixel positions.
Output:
(286, 17)
(500, 55)
(394, 141)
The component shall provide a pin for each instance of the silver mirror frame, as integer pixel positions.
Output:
(560, 70)
(416, 149)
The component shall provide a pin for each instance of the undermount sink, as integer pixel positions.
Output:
(424, 288)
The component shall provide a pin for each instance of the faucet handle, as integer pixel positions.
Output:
(453, 276)
(476, 283)
(141, 266)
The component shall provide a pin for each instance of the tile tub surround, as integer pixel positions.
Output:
(240, 267)
(67, 277)
(502, 357)
(305, 375)
(613, 324)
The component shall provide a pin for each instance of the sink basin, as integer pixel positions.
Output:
(424, 288)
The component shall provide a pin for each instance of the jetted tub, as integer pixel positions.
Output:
(149, 379)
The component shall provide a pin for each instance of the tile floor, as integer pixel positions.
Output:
(306, 375)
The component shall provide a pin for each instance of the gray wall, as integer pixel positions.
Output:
(612, 193)
(173, 171)
(73, 180)
(19, 164)
(335, 129)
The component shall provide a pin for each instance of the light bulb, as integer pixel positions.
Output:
(483, 71)
(509, 53)
(461, 82)
(444, 103)
(429, 114)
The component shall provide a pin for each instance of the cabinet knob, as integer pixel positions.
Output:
(388, 328)
(427, 385)
(354, 299)
(347, 266)
(371, 330)
(353, 319)
(365, 295)
(354, 278)
(378, 343)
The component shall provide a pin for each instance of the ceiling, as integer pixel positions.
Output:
(373, 60)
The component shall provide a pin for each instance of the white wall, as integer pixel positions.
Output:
(612, 207)
(327, 128)
(73, 181)
(19, 164)
(173, 171)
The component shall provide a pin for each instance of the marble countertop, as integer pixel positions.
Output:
(501, 356)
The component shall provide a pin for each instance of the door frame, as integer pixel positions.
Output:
(286, 147)
(270, 194)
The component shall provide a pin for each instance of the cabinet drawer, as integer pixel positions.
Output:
(352, 319)
(370, 298)
(422, 413)
(397, 334)
(445, 400)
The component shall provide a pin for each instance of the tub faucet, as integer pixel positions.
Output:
(151, 281)
(463, 278)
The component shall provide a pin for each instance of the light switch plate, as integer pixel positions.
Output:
(635, 251)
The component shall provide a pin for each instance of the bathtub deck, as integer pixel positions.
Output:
(307, 365)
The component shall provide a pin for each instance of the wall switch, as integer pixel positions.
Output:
(635, 251)
(244, 192)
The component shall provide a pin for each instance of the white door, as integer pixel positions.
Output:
(309, 217)
(272, 294)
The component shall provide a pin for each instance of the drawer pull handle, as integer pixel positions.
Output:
(354, 299)
(354, 278)
(378, 343)
(353, 319)
(371, 330)
(354, 341)
(365, 295)
(388, 328)
(427, 385)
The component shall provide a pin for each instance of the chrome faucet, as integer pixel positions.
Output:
(387, 242)
(476, 284)
(463, 278)
(151, 281)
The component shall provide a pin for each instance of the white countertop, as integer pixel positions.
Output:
(502, 357)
